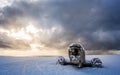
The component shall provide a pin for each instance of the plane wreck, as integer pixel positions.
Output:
(76, 54)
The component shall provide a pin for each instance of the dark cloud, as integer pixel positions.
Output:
(94, 23)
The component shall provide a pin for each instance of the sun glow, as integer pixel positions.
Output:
(33, 36)
(31, 29)
(25, 33)
(17, 53)
(20, 35)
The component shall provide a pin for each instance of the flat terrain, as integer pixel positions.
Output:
(48, 66)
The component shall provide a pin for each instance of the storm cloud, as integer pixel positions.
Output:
(93, 23)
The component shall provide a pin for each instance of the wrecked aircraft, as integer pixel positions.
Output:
(76, 54)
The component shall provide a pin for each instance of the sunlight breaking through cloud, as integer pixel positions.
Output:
(54, 24)
(32, 35)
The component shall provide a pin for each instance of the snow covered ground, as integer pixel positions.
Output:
(48, 66)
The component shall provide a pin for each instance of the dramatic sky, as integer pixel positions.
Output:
(54, 24)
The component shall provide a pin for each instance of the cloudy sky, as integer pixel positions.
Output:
(54, 24)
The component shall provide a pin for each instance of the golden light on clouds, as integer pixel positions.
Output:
(23, 33)
(36, 25)
(17, 53)
(33, 36)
